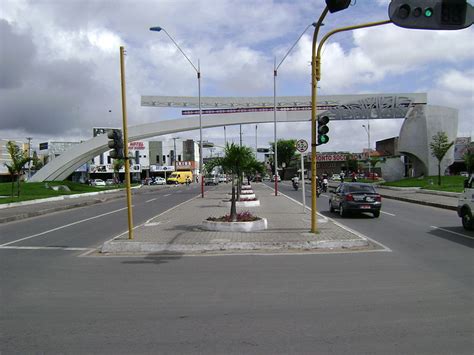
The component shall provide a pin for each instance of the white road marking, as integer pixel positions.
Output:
(390, 214)
(47, 248)
(385, 248)
(447, 230)
(62, 227)
(153, 199)
(167, 195)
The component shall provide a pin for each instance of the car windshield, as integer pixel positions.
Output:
(359, 188)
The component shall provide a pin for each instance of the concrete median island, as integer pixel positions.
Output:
(180, 229)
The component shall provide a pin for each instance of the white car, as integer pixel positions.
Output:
(159, 181)
(335, 177)
(98, 182)
(466, 204)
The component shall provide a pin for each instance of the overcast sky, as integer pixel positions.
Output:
(60, 74)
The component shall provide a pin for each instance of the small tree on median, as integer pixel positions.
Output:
(439, 147)
(235, 161)
(19, 160)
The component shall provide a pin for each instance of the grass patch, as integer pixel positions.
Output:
(38, 190)
(448, 183)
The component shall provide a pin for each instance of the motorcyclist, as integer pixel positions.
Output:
(325, 183)
(296, 181)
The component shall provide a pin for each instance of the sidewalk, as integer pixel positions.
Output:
(180, 230)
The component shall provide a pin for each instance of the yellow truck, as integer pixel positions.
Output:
(180, 177)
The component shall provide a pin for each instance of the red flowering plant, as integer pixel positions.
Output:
(245, 216)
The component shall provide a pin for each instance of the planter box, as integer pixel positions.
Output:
(242, 203)
(247, 197)
(257, 225)
(246, 187)
(246, 192)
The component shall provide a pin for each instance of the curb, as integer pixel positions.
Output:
(143, 247)
(37, 213)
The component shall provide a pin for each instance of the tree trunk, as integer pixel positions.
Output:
(13, 184)
(233, 209)
(439, 173)
(18, 185)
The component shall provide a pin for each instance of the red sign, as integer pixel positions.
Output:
(136, 145)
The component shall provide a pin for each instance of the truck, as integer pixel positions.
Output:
(466, 204)
(179, 177)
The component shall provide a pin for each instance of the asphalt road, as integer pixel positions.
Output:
(416, 299)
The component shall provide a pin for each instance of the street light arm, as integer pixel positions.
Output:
(158, 29)
(294, 44)
(349, 28)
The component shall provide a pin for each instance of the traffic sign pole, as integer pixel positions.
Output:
(302, 146)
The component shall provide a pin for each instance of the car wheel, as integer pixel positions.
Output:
(467, 222)
(376, 214)
(342, 211)
(331, 209)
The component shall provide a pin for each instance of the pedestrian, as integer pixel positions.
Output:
(341, 176)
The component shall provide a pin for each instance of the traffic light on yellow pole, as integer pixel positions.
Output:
(431, 14)
(115, 143)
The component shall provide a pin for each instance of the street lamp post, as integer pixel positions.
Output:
(174, 151)
(367, 129)
(275, 73)
(198, 72)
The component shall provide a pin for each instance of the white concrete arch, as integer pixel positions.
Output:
(64, 165)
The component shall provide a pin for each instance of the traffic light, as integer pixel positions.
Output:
(431, 14)
(337, 5)
(323, 130)
(115, 143)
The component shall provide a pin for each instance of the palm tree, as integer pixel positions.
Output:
(19, 160)
(236, 161)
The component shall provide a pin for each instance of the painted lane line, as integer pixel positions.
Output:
(447, 230)
(167, 195)
(150, 220)
(153, 199)
(46, 248)
(62, 227)
(350, 230)
(390, 214)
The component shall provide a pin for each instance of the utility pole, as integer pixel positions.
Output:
(174, 152)
(29, 156)
(225, 138)
(241, 136)
(256, 128)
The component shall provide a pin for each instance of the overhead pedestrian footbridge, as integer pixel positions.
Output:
(237, 111)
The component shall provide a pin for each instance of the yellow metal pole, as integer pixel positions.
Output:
(314, 85)
(315, 77)
(125, 145)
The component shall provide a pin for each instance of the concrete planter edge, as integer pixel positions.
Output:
(252, 226)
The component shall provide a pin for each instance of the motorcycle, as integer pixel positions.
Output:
(296, 184)
(318, 191)
(325, 185)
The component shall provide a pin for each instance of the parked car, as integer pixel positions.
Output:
(222, 178)
(159, 181)
(211, 180)
(98, 182)
(464, 173)
(466, 204)
(110, 182)
(266, 178)
(278, 176)
(355, 197)
(335, 177)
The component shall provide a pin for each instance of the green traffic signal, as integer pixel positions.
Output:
(431, 14)
(323, 130)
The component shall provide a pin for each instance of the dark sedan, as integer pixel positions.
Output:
(355, 197)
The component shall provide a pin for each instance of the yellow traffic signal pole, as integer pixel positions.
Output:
(315, 77)
(314, 83)
(125, 145)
